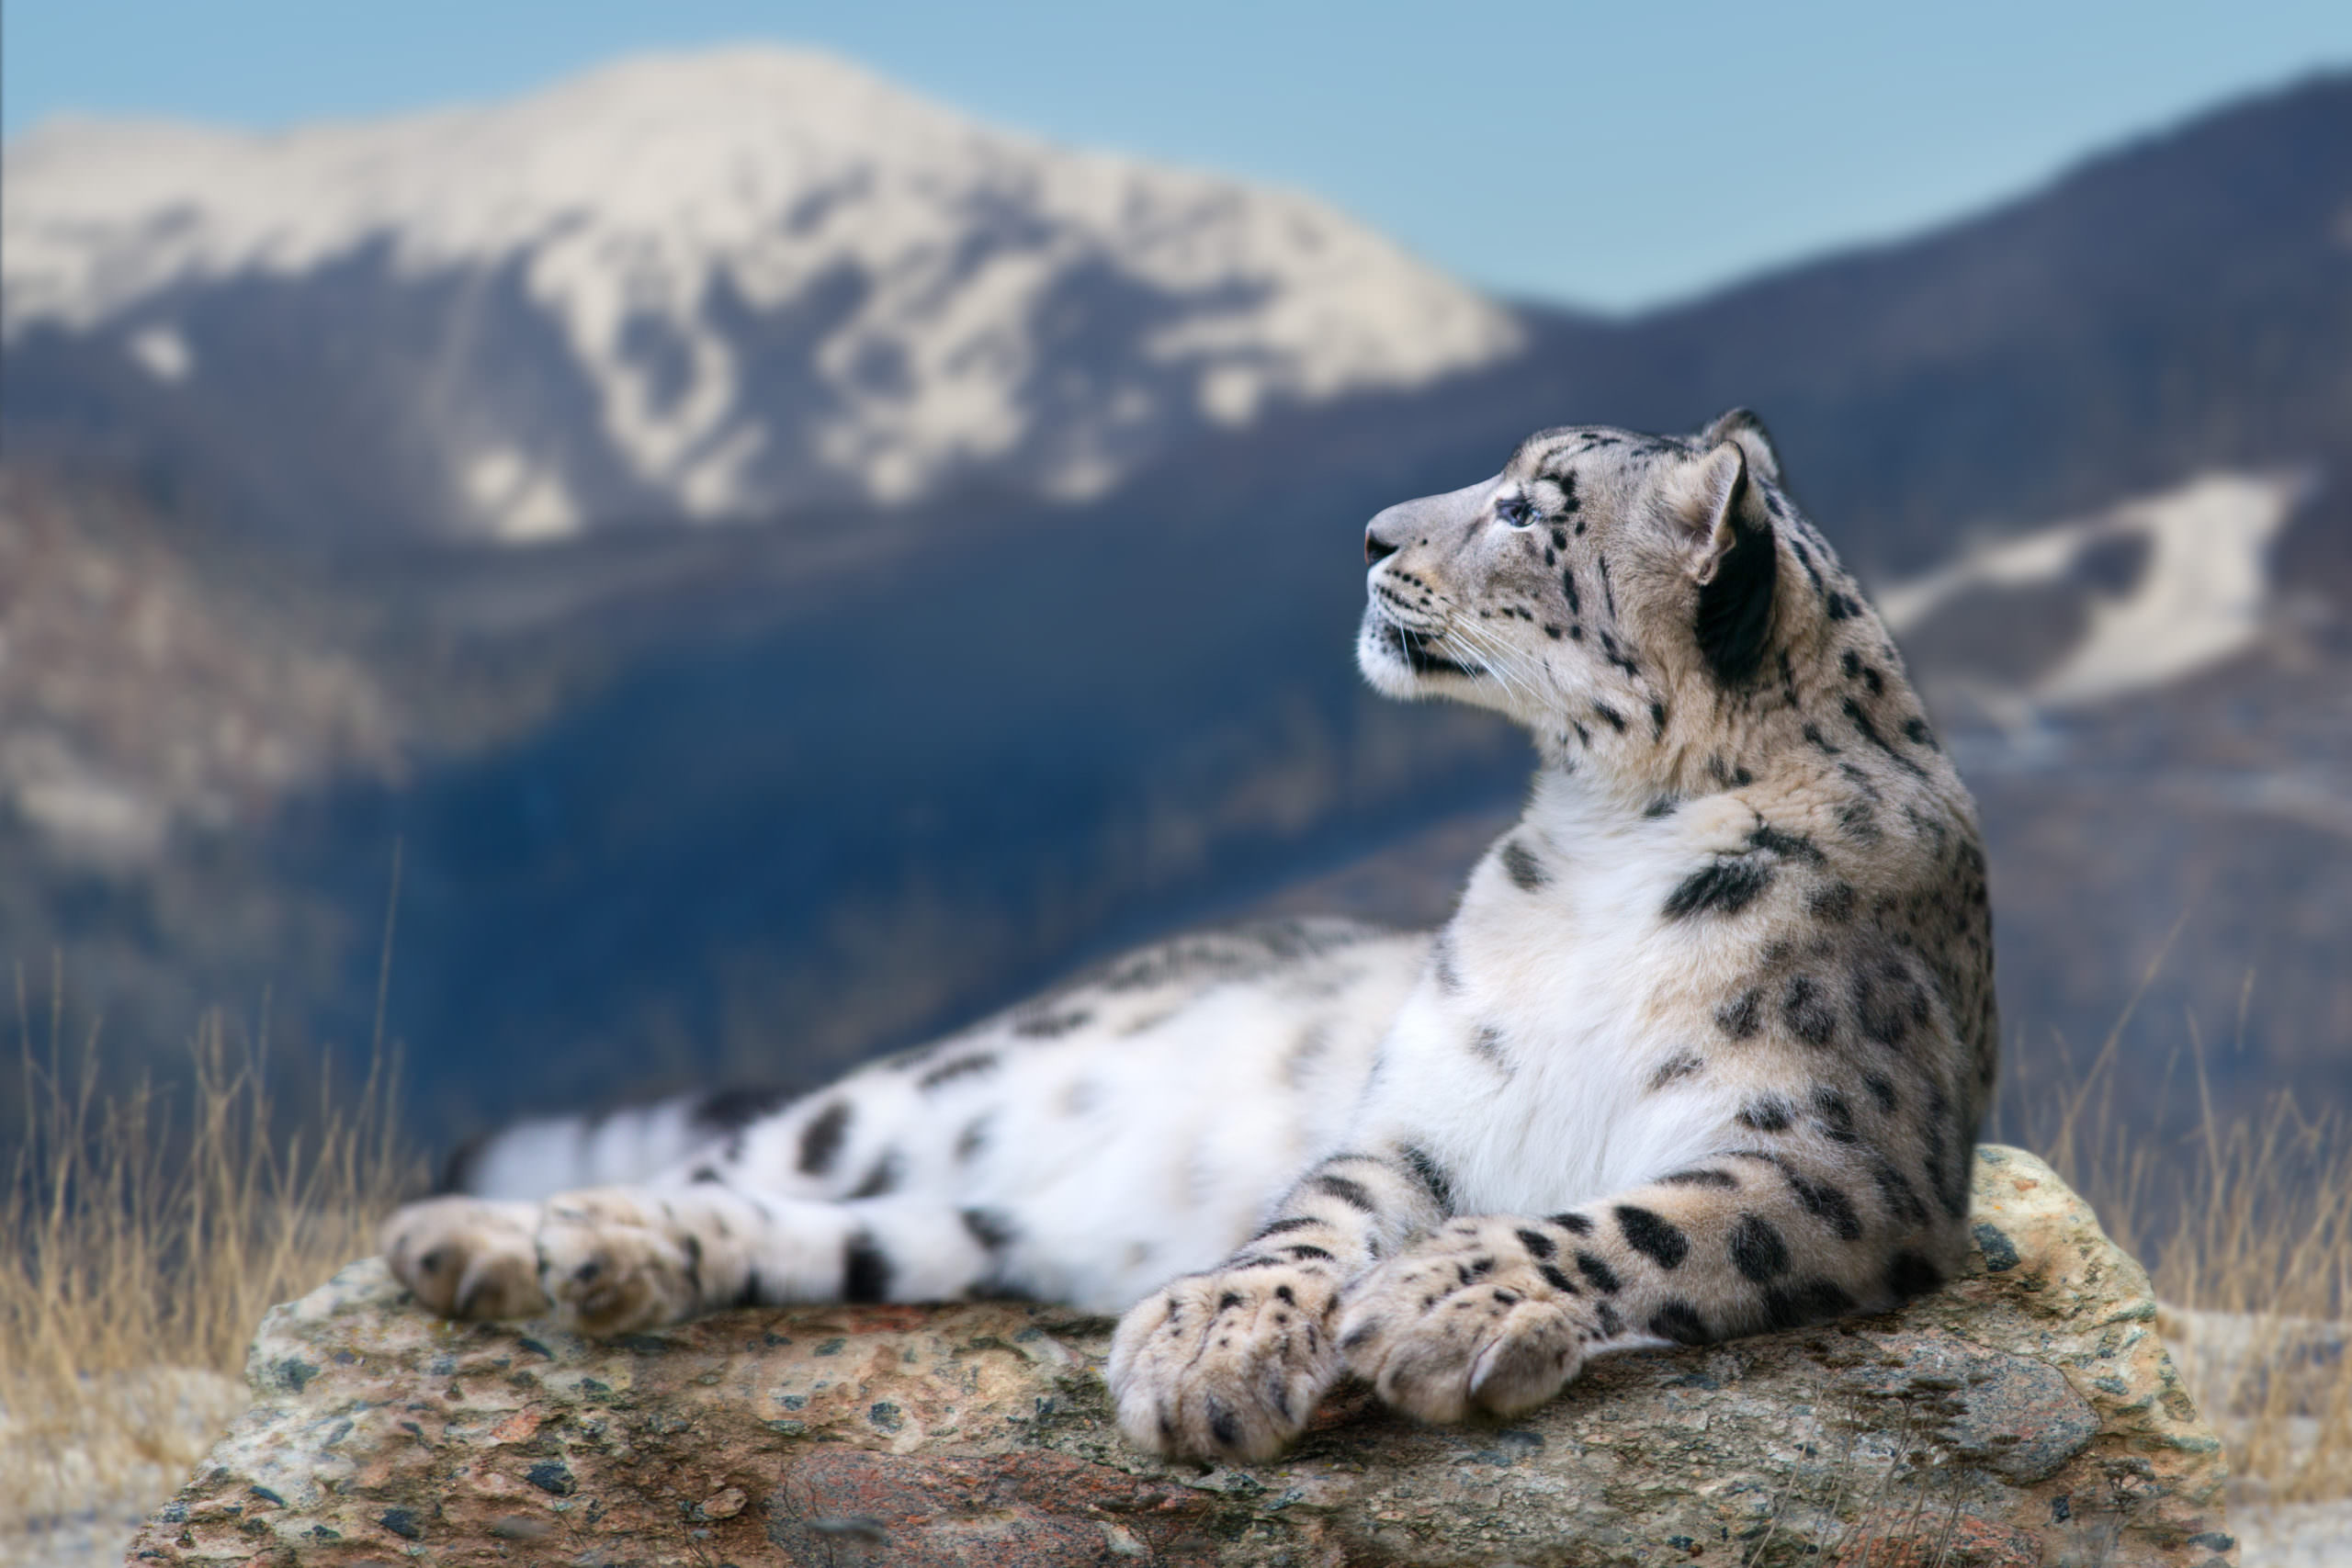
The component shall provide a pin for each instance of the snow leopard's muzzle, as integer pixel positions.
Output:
(1408, 616)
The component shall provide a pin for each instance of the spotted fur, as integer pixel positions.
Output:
(1701, 1053)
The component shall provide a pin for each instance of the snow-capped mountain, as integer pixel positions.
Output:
(695, 286)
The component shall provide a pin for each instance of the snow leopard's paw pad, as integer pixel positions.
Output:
(467, 1257)
(1227, 1365)
(613, 1263)
(1473, 1319)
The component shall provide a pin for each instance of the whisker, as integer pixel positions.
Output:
(1465, 637)
(1492, 658)
(1538, 674)
(1496, 659)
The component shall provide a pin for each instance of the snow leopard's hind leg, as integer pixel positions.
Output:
(618, 1259)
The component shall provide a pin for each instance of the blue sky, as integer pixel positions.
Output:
(1607, 157)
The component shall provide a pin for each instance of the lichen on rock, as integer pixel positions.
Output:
(2028, 1414)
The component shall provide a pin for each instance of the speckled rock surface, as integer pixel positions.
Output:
(2026, 1414)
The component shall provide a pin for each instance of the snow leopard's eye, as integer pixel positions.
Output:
(1516, 510)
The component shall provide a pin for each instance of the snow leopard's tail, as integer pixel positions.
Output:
(542, 1156)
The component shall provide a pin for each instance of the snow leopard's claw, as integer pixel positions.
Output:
(1224, 1366)
(466, 1256)
(610, 1267)
(1441, 1343)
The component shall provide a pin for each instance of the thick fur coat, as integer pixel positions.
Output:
(1701, 1053)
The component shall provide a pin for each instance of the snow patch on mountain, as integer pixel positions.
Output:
(162, 352)
(982, 298)
(2200, 594)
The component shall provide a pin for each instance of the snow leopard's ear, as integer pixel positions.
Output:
(1727, 541)
(1743, 427)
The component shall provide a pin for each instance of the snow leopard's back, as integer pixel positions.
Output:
(1155, 1105)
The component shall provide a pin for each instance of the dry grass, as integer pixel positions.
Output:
(146, 1233)
(2245, 1225)
(2248, 1237)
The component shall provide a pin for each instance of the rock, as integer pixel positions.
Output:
(2028, 1414)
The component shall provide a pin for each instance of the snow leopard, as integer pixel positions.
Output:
(1700, 1053)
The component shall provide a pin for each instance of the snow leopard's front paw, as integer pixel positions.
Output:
(1471, 1319)
(467, 1257)
(1227, 1365)
(613, 1263)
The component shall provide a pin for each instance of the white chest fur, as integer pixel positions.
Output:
(1527, 1060)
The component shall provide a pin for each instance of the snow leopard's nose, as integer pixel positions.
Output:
(1417, 521)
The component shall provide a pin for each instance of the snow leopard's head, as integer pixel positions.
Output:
(1600, 580)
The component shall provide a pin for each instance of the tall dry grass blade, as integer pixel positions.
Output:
(146, 1234)
(2246, 1226)
(384, 958)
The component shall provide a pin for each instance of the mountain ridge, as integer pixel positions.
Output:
(769, 278)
